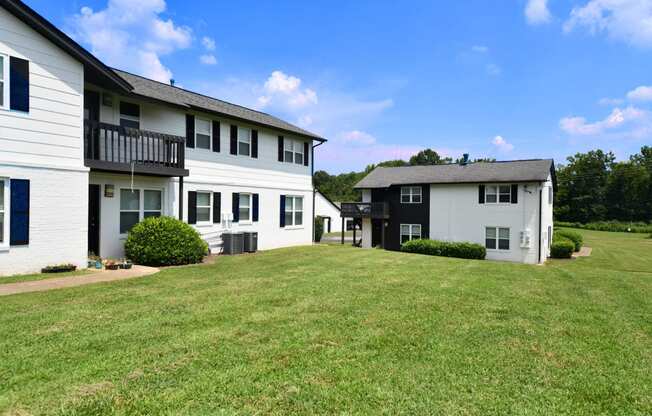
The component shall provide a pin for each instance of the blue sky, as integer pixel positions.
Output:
(508, 79)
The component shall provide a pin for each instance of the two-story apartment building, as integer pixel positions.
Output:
(87, 151)
(505, 206)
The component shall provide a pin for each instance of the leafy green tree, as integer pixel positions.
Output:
(429, 157)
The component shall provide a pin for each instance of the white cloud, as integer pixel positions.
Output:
(208, 59)
(131, 35)
(208, 43)
(480, 49)
(358, 137)
(501, 144)
(285, 91)
(625, 20)
(536, 12)
(493, 70)
(641, 93)
(618, 119)
(610, 101)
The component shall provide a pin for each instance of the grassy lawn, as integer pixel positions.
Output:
(339, 234)
(340, 330)
(40, 276)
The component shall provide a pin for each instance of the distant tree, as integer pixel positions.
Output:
(429, 157)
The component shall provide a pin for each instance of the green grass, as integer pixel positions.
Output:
(340, 330)
(39, 276)
(339, 234)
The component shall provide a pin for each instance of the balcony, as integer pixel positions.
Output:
(374, 210)
(112, 148)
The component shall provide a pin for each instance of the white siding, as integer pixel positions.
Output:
(456, 215)
(366, 222)
(51, 133)
(546, 217)
(324, 208)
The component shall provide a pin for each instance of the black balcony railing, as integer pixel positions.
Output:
(364, 210)
(109, 147)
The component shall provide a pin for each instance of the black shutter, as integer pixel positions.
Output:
(280, 148)
(254, 202)
(19, 212)
(306, 154)
(254, 143)
(18, 84)
(481, 194)
(216, 136)
(514, 194)
(282, 210)
(192, 207)
(217, 207)
(190, 130)
(235, 207)
(234, 140)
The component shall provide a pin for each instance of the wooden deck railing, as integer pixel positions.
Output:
(364, 210)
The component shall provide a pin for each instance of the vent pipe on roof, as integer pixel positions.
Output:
(465, 159)
(171, 82)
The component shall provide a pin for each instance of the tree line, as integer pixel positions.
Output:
(592, 186)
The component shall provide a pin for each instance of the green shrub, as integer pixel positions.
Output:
(319, 229)
(59, 268)
(573, 236)
(164, 241)
(613, 226)
(562, 248)
(445, 249)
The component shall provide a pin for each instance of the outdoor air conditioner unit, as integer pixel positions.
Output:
(525, 238)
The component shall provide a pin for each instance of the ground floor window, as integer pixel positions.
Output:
(137, 204)
(497, 238)
(293, 210)
(244, 207)
(203, 207)
(4, 203)
(410, 232)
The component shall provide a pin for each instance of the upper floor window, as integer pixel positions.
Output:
(497, 238)
(411, 195)
(410, 232)
(550, 195)
(4, 86)
(202, 133)
(129, 115)
(244, 141)
(293, 210)
(498, 194)
(293, 151)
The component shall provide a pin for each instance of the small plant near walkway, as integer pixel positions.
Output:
(59, 268)
(445, 249)
(573, 236)
(611, 226)
(164, 241)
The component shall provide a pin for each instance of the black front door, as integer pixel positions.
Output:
(376, 233)
(94, 219)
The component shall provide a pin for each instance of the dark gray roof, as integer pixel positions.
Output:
(178, 96)
(509, 171)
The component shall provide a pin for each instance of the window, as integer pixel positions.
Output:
(245, 208)
(293, 210)
(411, 195)
(497, 238)
(244, 141)
(203, 207)
(298, 153)
(549, 236)
(293, 151)
(202, 134)
(410, 232)
(4, 219)
(498, 193)
(4, 85)
(129, 209)
(289, 150)
(550, 195)
(133, 209)
(129, 115)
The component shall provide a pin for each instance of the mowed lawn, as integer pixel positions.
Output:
(340, 330)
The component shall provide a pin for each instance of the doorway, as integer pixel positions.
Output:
(94, 219)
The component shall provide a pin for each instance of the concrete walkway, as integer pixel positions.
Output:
(72, 281)
(584, 252)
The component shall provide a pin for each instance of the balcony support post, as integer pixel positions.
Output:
(343, 224)
(180, 198)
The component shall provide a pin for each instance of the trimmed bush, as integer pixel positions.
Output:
(59, 268)
(445, 249)
(319, 229)
(573, 236)
(562, 248)
(164, 241)
(613, 226)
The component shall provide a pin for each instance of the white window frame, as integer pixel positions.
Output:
(294, 211)
(249, 220)
(409, 191)
(550, 195)
(5, 82)
(411, 232)
(141, 204)
(299, 152)
(128, 117)
(210, 134)
(497, 238)
(4, 245)
(497, 194)
(209, 206)
(288, 147)
(242, 141)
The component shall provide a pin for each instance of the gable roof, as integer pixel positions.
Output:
(94, 69)
(329, 200)
(159, 91)
(534, 170)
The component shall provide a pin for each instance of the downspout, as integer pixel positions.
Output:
(312, 176)
(540, 213)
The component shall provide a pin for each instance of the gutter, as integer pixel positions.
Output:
(312, 176)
